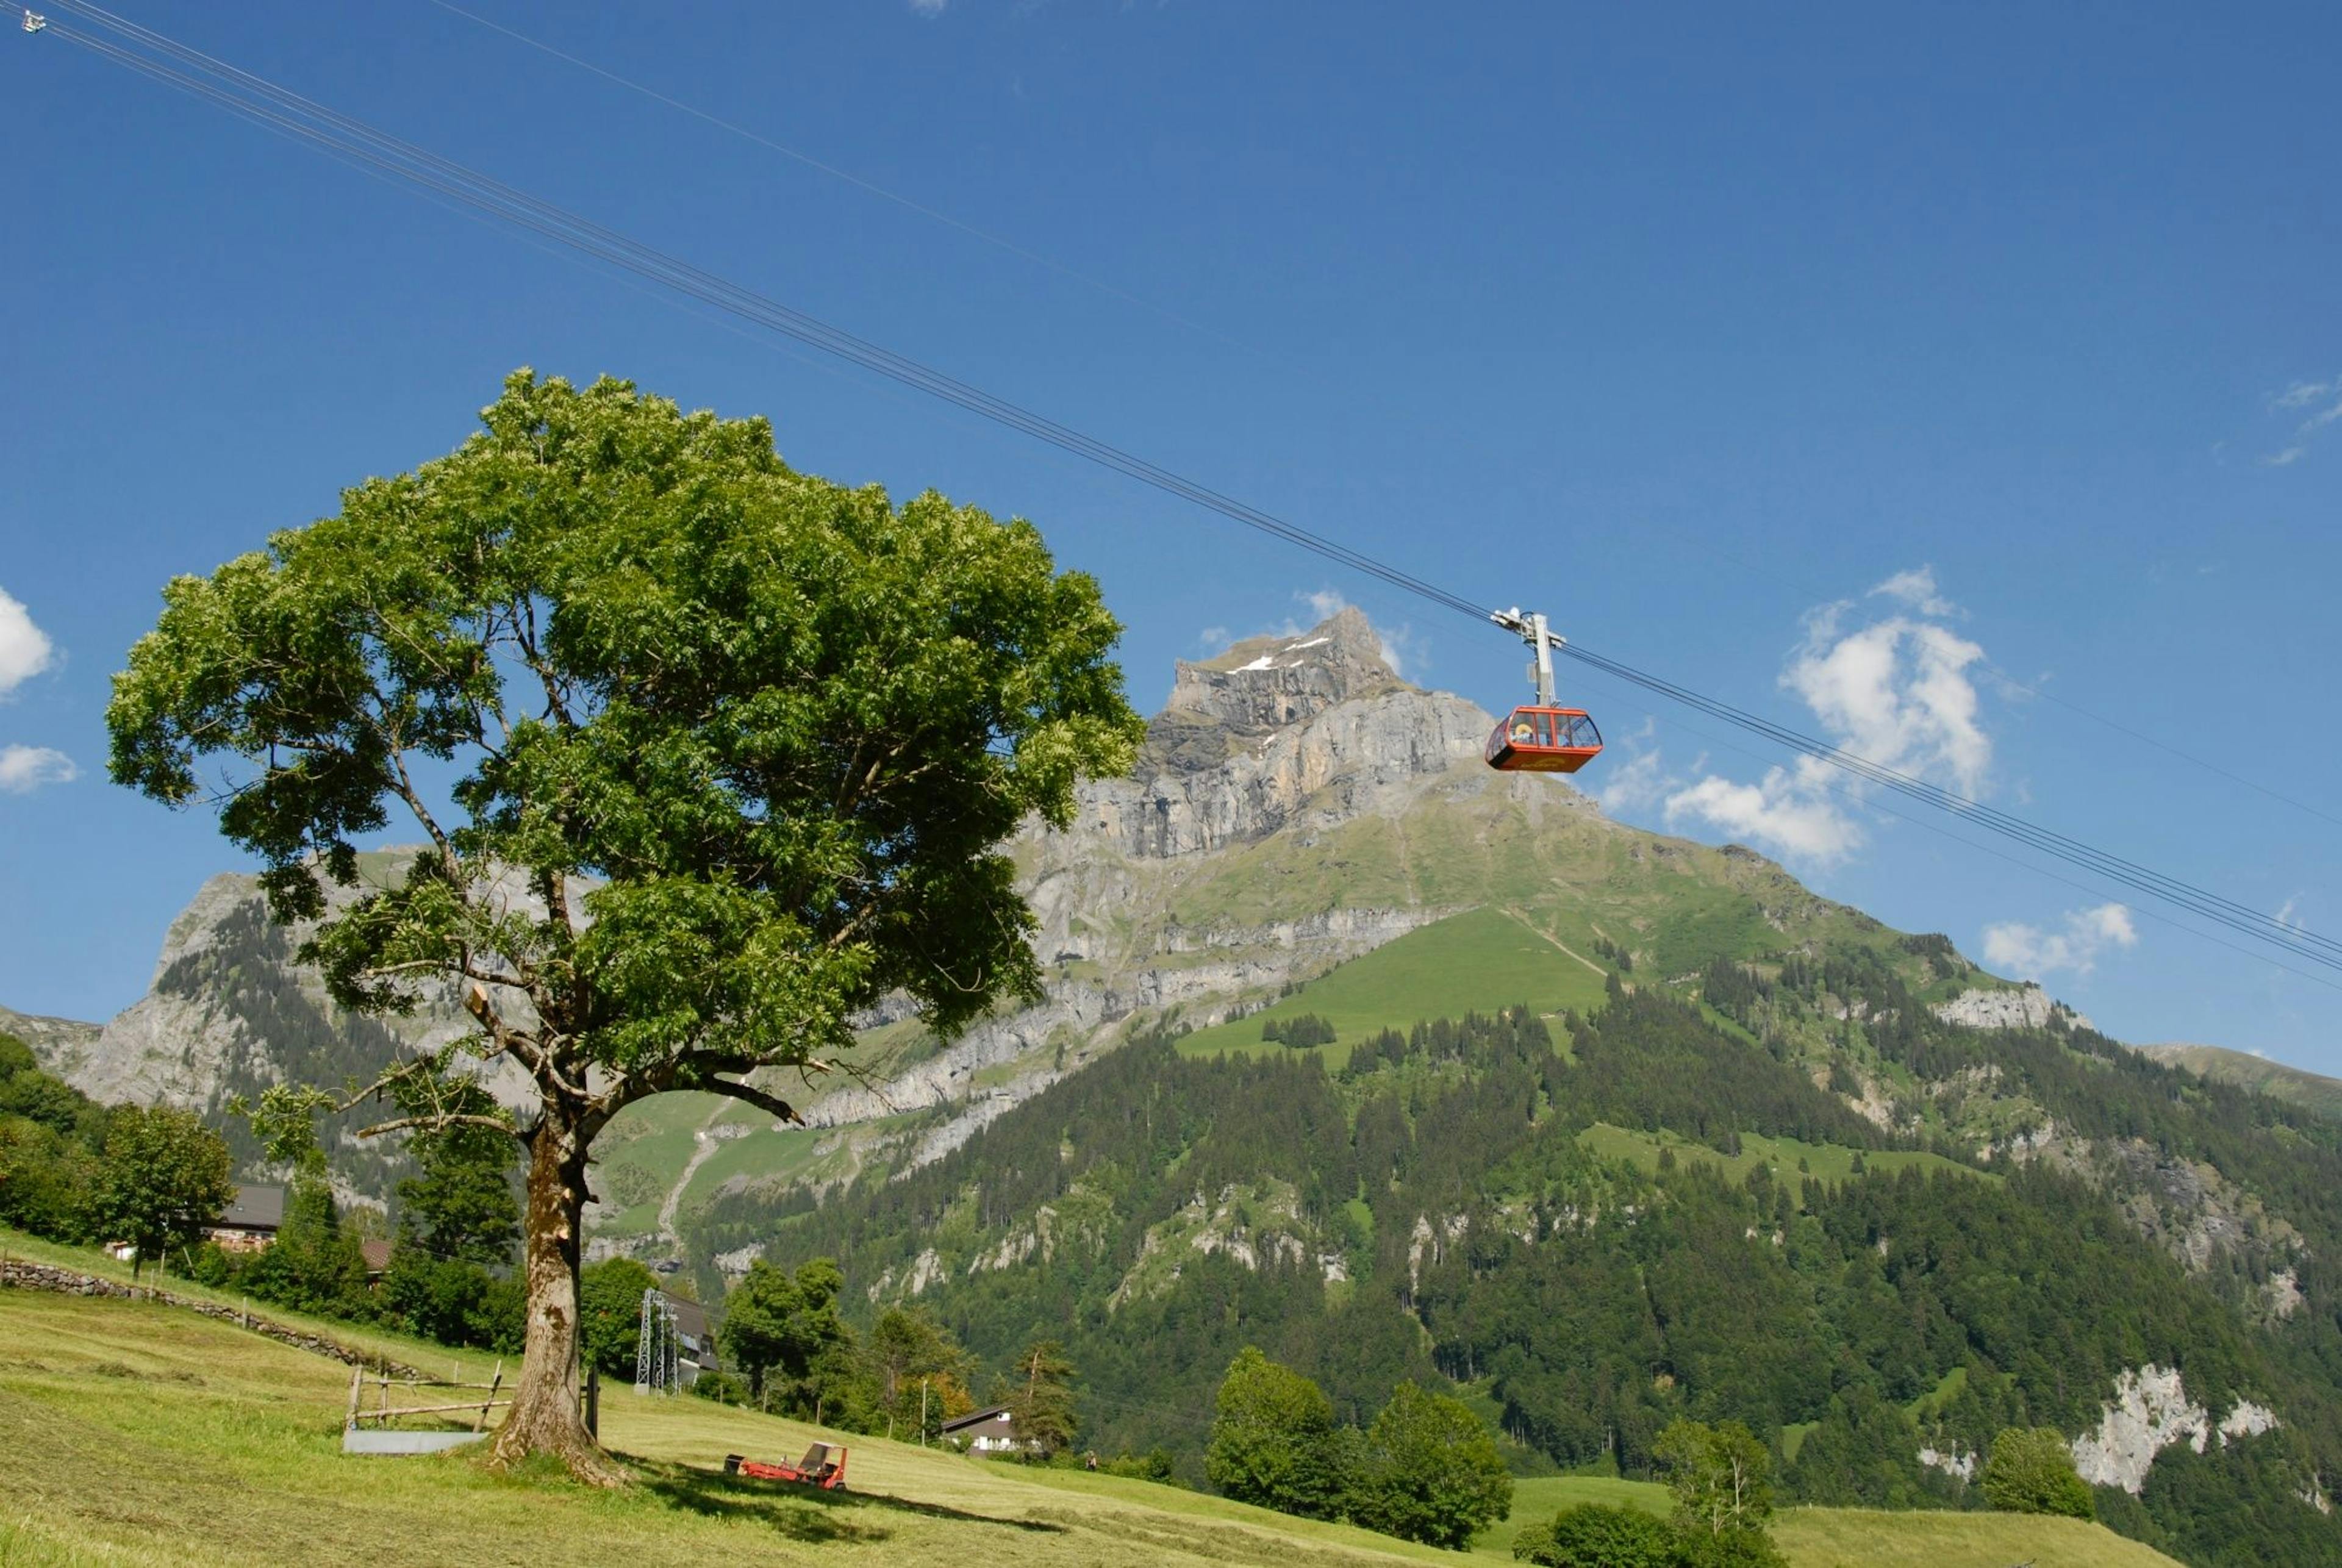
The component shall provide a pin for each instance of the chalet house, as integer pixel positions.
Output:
(250, 1222)
(695, 1343)
(992, 1431)
(377, 1259)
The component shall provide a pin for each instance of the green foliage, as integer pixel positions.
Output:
(1040, 1398)
(314, 1266)
(1300, 1032)
(609, 1313)
(2031, 1471)
(1721, 1476)
(750, 742)
(163, 1178)
(1430, 1472)
(1601, 1535)
(783, 1327)
(915, 1364)
(453, 1301)
(1273, 1440)
(462, 1205)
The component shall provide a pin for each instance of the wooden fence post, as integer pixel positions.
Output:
(481, 1420)
(594, 1402)
(357, 1375)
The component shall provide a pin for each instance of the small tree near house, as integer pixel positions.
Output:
(163, 1177)
(1040, 1389)
(707, 756)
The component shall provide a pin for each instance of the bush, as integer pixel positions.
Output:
(1430, 1472)
(1599, 1535)
(1300, 1032)
(2032, 1471)
(723, 1387)
(610, 1313)
(1273, 1440)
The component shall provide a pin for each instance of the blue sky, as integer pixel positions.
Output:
(1844, 362)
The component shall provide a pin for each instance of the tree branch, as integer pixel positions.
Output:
(750, 1095)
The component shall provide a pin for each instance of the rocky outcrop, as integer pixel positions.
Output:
(1277, 730)
(2022, 1007)
(2149, 1412)
(61, 1046)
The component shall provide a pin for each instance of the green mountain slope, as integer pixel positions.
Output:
(2258, 1074)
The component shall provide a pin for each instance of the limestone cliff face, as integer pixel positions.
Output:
(1277, 732)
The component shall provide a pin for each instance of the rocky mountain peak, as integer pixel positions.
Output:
(1264, 683)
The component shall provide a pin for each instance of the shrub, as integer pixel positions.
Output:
(2032, 1471)
(1599, 1535)
(1430, 1472)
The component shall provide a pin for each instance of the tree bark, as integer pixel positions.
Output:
(544, 1417)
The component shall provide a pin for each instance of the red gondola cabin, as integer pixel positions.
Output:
(1544, 741)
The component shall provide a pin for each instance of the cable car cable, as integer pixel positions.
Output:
(354, 140)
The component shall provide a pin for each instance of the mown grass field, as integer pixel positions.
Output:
(1823, 1161)
(1479, 961)
(141, 1433)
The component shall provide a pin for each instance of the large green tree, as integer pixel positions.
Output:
(709, 754)
(1431, 1472)
(1273, 1440)
(164, 1177)
(777, 1325)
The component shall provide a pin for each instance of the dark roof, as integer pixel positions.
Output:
(690, 1318)
(977, 1417)
(377, 1255)
(255, 1209)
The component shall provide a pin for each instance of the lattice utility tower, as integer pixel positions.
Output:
(655, 1346)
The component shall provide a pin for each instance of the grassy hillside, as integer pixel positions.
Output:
(1443, 971)
(2311, 1091)
(143, 1435)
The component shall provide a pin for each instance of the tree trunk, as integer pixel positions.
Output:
(544, 1417)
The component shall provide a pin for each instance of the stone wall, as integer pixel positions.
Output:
(19, 1275)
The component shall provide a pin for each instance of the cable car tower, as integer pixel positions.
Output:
(655, 1341)
(1541, 738)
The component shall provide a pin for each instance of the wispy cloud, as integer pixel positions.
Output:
(24, 769)
(2323, 399)
(930, 8)
(1898, 692)
(2029, 951)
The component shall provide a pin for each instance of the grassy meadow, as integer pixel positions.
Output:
(140, 1433)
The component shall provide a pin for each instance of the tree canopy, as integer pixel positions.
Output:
(732, 750)
(1431, 1472)
(1274, 1440)
(164, 1177)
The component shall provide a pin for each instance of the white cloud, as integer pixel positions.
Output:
(25, 649)
(2029, 951)
(1899, 692)
(930, 8)
(24, 769)
(2303, 395)
(1782, 812)
(1916, 588)
(2288, 911)
(1639, 781)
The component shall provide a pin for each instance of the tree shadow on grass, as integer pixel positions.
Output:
(802, 1513)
